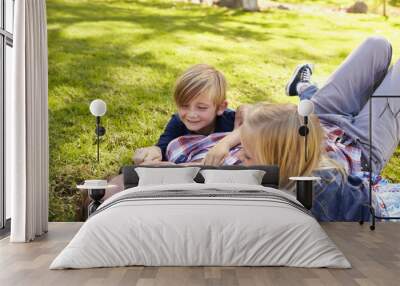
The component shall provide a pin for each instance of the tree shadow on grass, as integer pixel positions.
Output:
(86, 64)
(91, 75)
(197, 20)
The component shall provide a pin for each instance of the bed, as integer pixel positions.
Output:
(201, 224)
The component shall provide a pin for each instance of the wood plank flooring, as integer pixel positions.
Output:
(375, 257)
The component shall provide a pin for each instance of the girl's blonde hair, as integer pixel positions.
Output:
(273, 133)
(200, 79)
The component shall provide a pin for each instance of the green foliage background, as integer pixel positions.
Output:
(129, 53)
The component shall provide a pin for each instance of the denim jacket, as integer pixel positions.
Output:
(339, 199)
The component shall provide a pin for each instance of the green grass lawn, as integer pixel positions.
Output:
(129, 53)
(374, 6)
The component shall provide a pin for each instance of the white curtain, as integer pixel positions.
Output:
(27, 124)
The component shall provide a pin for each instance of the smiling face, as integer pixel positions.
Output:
(200, 94)
(200, 113)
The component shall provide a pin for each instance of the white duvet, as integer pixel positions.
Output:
(185, 231)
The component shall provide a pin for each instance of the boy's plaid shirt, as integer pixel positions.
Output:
(190, 148)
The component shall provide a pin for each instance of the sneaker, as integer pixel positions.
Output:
(302, 74)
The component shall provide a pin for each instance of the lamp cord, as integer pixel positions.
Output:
(98, 137)
(305, 138)
(305, 147)
(98, 148)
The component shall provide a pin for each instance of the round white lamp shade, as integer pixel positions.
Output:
(98, 107)
(305, 107)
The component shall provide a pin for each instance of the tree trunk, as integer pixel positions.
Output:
(248, 5)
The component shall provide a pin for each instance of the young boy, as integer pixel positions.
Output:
(200, 96)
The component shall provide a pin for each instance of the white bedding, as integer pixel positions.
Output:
(183, 231)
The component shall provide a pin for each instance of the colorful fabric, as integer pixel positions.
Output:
(342, 148)
(191, 148)
(385, 196)
(387, 201)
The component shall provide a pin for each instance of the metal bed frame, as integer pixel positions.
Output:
(369, 205)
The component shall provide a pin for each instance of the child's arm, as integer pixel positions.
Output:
(147, 154)
(157, 163)
(174, 129)
(218, 153)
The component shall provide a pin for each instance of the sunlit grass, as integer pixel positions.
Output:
(129, 54)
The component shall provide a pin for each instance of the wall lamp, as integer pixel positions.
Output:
(98, 108)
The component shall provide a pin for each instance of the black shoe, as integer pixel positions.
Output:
(302, 73)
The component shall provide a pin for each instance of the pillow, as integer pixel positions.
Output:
(248, 177)
(166, 176)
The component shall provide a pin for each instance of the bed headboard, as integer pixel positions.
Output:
(270, 179)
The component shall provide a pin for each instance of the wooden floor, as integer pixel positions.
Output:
(375, 256)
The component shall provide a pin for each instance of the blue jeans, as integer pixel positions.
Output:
(308, 92)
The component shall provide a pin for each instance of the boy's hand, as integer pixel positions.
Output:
(147, 154)
(217, 154)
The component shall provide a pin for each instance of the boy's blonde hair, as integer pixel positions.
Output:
(273, 130)
(200, 79)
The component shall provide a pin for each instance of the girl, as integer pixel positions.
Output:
(339, 132)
